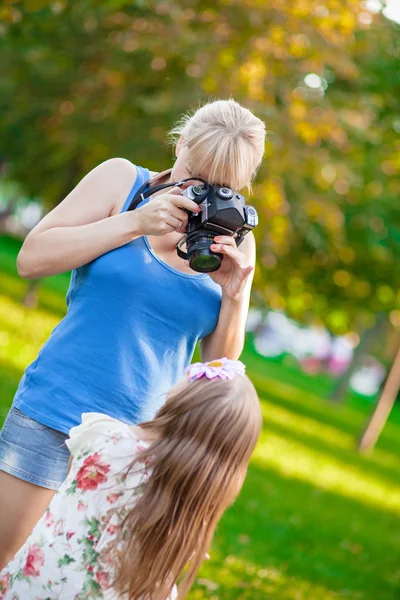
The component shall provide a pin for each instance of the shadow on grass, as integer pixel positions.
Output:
(348, 419)
(292, 532)
(349, 457)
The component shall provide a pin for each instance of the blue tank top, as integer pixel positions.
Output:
(130, 330)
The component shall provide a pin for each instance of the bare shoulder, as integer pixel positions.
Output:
(119, 169)
(113, 179)
(100, 193)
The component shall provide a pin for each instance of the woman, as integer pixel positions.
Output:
(135, 309)
(142, 502)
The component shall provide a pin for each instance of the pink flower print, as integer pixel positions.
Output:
(49, 519)
(82, 506)
(102, 579)
(34, 561)
(112, 529)
(70, 534)
(4, 585)
(92, 473)
(112, 498)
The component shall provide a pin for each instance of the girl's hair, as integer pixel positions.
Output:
(225, 140)
(206, 433)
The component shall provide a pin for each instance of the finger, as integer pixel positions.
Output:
(179, 214)
(249, 270)
(183, 202)
(225, 239)
(174, 223)
(175, 191)
(231, 251)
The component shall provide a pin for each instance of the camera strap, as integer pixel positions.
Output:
(141, 194)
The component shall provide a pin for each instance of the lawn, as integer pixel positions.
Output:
(315, 520)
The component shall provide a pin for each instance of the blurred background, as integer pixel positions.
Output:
(85, 81)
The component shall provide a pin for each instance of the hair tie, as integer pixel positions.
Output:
(223, 368)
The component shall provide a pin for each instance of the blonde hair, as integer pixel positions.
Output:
(206, 433)
(225, 140)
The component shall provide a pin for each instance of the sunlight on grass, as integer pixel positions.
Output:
(22, 332)
(235, 577)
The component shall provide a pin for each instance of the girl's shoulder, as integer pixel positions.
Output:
(98, 429)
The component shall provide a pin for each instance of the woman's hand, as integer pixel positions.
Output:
(165, 213)
(235, 269)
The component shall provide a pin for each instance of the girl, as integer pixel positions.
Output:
(135, 309)
(140, 503)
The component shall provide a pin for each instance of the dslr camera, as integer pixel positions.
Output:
(223, 212)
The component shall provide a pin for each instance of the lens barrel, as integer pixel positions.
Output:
(200, 257)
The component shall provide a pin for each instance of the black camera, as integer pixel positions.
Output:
(223, 212)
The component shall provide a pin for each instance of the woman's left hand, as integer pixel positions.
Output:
(235, 269)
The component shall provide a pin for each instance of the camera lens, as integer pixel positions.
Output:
(225, 193)
(200, 257)
(204, 263)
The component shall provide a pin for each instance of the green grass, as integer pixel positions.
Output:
(315, 520)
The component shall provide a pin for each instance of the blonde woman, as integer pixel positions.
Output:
(141, 503)
(135, 309)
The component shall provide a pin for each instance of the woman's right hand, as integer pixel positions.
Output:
(165, 213)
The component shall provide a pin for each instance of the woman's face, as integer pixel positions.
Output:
(182, 168)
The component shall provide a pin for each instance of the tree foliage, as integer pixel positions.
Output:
(85, 81)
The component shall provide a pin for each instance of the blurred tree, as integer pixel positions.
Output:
(340, 236)
(90, 80)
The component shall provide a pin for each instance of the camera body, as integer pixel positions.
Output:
(223, 212)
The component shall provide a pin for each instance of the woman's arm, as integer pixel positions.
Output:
(81, 227)
(88, 222)
(227, 339)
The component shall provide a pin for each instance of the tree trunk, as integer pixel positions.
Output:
(30, 299)
(342, 384)
(383, 407)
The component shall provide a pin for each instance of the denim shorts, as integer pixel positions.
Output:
(32, 451)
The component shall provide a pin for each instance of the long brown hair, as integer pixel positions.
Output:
(205, 434)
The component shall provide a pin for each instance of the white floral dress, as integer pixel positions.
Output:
(65, 557)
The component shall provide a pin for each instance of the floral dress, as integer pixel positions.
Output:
(65, 557)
